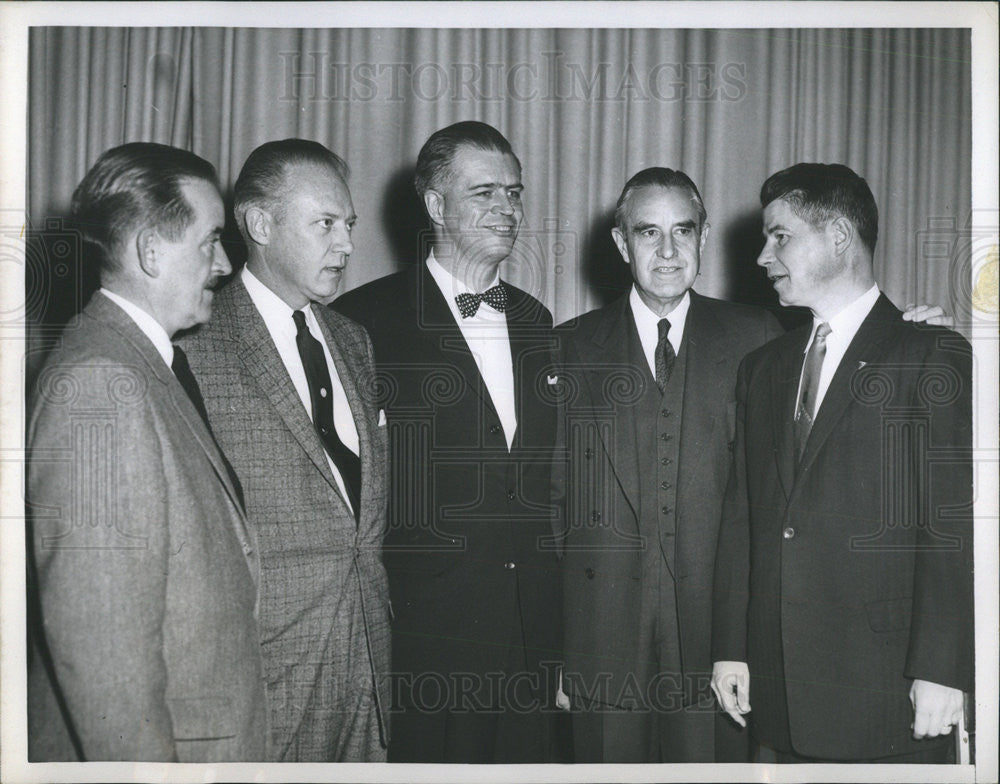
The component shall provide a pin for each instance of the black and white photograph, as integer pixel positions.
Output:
(576, 391)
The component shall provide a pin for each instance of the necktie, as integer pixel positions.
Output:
(805, 409)
(182, 370)
(665, 355)
(468, 304)
(321, 396)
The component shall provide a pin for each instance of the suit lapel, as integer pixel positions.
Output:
(867, 347)
(104, 310)
(352, 372)
(784, 389)
(262, 361)
(615, 330)
(435, 319)
(706, 348)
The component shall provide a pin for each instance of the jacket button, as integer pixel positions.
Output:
(494, 429)
(589, 572)
(595, 516)
(509, 565)
(788, 533)
(511, 495)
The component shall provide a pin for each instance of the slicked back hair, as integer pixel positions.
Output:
(135, 186)
(262, 180)
(436, 156)
(820, 192)
(664, 178)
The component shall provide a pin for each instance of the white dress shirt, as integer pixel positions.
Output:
(150, 327)
(647, 325)
(278, 319)
(843, 327)
(488, 341)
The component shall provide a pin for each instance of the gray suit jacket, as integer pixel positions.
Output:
(602, 563)
(324, 595)
(143, 568)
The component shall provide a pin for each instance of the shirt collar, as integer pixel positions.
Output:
(150, 327)
(273, 309)
(451, 286)
(845, 325)
(646, 319)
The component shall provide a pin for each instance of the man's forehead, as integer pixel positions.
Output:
(314, 184)
(651, 202)
(474, 163)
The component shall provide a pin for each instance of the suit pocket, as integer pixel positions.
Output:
(889, 615)
(202, 718)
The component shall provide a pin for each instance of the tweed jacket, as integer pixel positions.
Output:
(843, 578)
(142, 568)
(321, 572)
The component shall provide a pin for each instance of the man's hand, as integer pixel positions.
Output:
(936, 709)
(931, 314)
(731, 684)
(562, 700)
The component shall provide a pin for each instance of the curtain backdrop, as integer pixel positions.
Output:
(584, 110)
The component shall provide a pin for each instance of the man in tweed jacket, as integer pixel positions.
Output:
(324, 598)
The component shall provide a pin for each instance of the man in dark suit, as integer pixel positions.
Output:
(141, 568)
(461, 356)
(649, 425)
(843, 589)
(287, 389)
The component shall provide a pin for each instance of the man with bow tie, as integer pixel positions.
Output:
(461, 355)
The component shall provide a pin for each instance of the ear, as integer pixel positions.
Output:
(147, 243)
(434, 203)
(619, 238)
(258, 225)
(704, 236)
(841, 231)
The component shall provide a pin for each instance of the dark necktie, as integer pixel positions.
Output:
(496, 297)
(182, 370)
(809, 390)
(321, 396)
(665, 355)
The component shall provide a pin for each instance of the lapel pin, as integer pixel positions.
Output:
(861, 364)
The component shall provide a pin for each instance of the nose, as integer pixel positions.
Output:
(342, 242)
(667, 248)
(765, 257)
(503, 203)
(220, 262)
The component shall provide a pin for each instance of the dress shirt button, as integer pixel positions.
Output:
(665, 436)
(788, 533)
(666, 510)
(665, 485)
(494, 429)
(588, 453)
(589, 572)
(665, 461)
(595, 515)
(511, 495)
(509, 565)
(664, 413)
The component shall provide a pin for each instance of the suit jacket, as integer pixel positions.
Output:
(855, 570)
(144, 570)
(469, 548)
(324, 598)
(602, 565)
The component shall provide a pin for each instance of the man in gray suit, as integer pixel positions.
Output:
(287, 390)
(649, 429)
(141, 568)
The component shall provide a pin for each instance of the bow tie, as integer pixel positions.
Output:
(496, 297)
